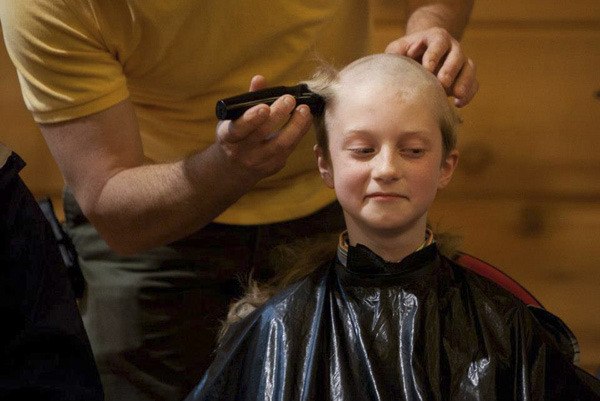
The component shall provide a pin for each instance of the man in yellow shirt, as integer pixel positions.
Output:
(164, 213)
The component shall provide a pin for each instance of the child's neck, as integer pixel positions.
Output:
(390, 245)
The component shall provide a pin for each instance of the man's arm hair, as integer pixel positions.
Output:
(452, 15)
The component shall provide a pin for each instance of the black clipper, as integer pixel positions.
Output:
(233, 107)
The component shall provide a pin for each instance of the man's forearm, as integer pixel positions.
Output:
(178, 199)
(452, 15)
(133, 204)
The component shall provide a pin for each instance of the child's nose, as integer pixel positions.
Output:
(386, 167)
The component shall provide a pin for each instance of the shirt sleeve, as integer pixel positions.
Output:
(64, 66)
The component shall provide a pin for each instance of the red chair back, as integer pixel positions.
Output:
(499, 277)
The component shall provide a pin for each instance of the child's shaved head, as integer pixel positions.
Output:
(388, 72)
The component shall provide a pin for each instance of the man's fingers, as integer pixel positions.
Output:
(399, 46)
(257, 82)
(259, 122)
(437, 49)
(466, 85)
(451, 67)
(238, 130)
(442, 55)
(266, 157)
(410, 46)
(279, 115)
(288, 136)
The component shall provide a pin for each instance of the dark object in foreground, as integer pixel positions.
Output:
(422, 329)
(44, 350)
(66, 248)
(233, 107)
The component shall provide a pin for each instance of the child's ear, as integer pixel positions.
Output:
(447, 168)
(324, 166)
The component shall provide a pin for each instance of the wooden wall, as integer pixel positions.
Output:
(20, 133)
(527, 193)
(526, 196)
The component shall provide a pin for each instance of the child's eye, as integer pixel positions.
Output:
(362, 151)
(413, 152)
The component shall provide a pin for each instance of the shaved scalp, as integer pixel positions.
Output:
(407, 77)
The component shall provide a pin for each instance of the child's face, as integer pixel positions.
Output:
(385, 160)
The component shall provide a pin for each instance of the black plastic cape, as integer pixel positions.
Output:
(421, 329)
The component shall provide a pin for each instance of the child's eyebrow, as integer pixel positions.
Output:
(421, 135)
(357, 132)
(352, 135)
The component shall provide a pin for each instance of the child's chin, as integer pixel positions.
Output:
(388, 226)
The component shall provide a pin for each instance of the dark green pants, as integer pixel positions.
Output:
(152, 318)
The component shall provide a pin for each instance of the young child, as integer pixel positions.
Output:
(389, 317)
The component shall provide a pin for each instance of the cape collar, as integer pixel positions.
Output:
(360, 258)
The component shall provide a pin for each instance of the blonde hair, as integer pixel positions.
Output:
(295, 261)
(310, 254)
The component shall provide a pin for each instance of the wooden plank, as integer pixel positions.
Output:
(549, 247)
(536, 10)
(515, 12)
(20, 133)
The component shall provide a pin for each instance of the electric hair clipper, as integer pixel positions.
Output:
(233, 107)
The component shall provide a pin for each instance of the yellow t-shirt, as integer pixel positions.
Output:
(174, 60)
